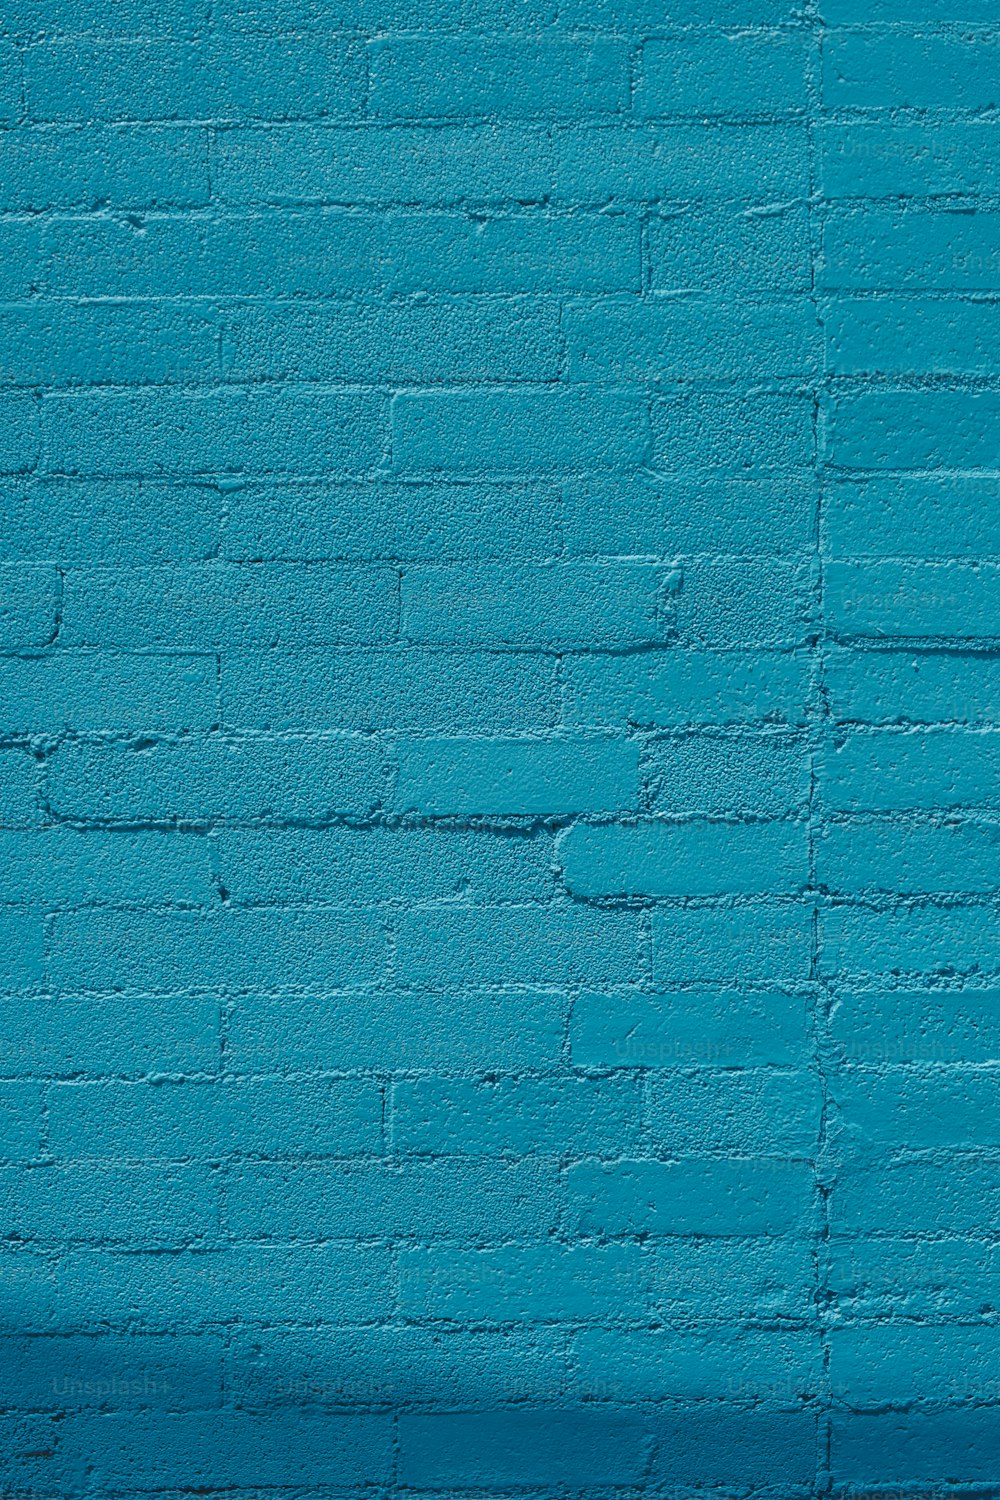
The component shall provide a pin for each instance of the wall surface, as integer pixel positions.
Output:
(500, 768)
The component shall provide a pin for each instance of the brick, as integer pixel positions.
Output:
(410, 688)
(918, 940)
(23, 939)
(110, 521)
(334, 1367)
(921, 687)
(780, 1369)
(30, 597)
(517, 945)
(506, 253)
(63, 867)
(167, 432)
(21, 242)
(913, 1447)
(11, 84)
(532, 777)
(438, 341)
(766, 774)
(173, 951)
(296, 165)
(198, 781)
(901, 1107)
(684, 859)
(459, 432)
(887, 770)
(117, 1037)
(640, 162)
(523, 1284)
(910, 249)
(556, 605)
(883, 600)
(760, 604)
(923, 516)
(112, 1372)
(696, 429)
(923, 1197)
(26, 1276)
(740, 76)
(234, 1448)
(646, 15)
(118, 166)
(745, 1111)
(149, 80)
(129, 18)
(761, 247)
(899, 1026)
(687, 1029)
(96, 1288)
(518, 1117)
(852, 12)
(706, 1197)
(876, 70)
(675, 689)
(86, 690)
(208, 1120)
(209, 605)
(727, 944)
(770, 1447)
(505, 1449)
(888, 161)
(19, 436)
(666, 516)
(442, 1198)
(25, 1436)
(168, 1206)
(422, 522)
(926, 1279)
(359, 866)
(656, 341)
(105, 345)
(498, 78)
(708, 1280)
(885, 857)
(913, 429)
(322, 252)
(275, 17)
(22, 1118)
(897, 337)
(20, 788)
(408, 1032)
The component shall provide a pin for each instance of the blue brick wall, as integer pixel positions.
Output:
(499, 779)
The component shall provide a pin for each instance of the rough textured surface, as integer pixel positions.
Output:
(499, 778)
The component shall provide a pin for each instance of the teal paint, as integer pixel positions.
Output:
(499, 582)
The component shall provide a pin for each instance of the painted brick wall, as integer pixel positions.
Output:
(500, 775)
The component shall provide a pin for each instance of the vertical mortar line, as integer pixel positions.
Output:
(562, 350)
(397, 624)
(44, 1124)
(645, 254)
(22, 83)
(560, 689)
(58, 606)
(363, 43)
(225, 1238)
(395, 1263)
(817, 718)
(211, 143)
